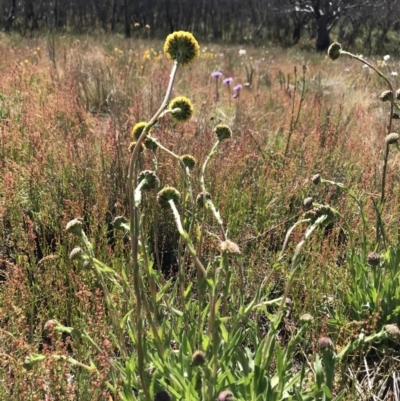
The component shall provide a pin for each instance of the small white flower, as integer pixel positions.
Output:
(394, 73)
(242, 52)
(387, 57)
(365, 66)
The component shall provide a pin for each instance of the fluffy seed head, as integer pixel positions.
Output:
(373, 259)
(200, 198)
(325, 344)
(185, 107)
(181, 47)
(198, 358)
(189, 161)
(334, 51)
(138, 129)
(152, 181)
(229, 248)
(392, 138)
(167, 194)
(223, 132)
(386, 96)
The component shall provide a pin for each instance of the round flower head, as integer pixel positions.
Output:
(373, 259)
(138, 129)
(185, 107)
(75, 227)
(392, 138)
(393, 332)
(229, 248)
(119, 221)
(200, 198)
(325, 344)
(216, 74)
(198, 358)
(306, 318)
(132, 146)
(167, 194)
(181, 47)
(334, 51)
(308, 203)
(223, 132)
(316, 179)
(189, 161)
(76, 254)
(227, 81)
(149, 143)
(386, 96)
(152, 181)
(237, 88)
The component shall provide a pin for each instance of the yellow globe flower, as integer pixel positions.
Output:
(181, 47)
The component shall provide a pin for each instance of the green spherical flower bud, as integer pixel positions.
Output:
(119, 221)
(183, 109)
(334, 51)
(229, 248)
(223, 132)
(392, 138)
(306, 318)
(138, 129)
(75, 227)
(181, 47)
(189, 161)
(386, 96)
(76, 254)
(167, 194)
(132, 146)
(198, 358)
(152, 181)
(149, 143)
(201, 197)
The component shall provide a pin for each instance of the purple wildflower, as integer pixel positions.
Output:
(236, 95)
(216, 74)
(227, 81)
(237, 88)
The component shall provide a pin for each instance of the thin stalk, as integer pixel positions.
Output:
(134, 228)
(292, 123)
